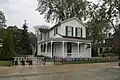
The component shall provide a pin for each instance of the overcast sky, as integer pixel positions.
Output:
(16, 11)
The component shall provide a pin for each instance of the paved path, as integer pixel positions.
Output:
(102, 71)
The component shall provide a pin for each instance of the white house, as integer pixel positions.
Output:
(65, 39)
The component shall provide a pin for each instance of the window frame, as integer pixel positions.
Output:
(78, 32)
(68, 31)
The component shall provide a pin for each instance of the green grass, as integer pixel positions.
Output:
(5, 63)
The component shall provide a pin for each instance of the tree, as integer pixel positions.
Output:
(2, 19)
(8, 45)
(112, 11)
(17, 35)
(25, 42)
(59, 10)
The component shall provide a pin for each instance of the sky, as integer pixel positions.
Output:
(16, 11)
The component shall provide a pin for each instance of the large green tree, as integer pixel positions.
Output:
(17, 36)
(59, 10)
(8, 49)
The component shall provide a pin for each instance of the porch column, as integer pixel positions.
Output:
(78, 50)
(39, 49)
(51, 49)
(63, 55)
(46, 50)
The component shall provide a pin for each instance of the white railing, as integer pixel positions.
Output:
(76, 55)
(47, 54)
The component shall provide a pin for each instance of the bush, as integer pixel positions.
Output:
(5, 58)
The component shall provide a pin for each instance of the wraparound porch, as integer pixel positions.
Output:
(72, 49)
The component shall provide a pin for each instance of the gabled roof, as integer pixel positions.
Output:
(73, 19)
(67, 21)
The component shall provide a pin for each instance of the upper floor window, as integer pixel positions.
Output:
(78, 32)
(55, 31)
(69, 31)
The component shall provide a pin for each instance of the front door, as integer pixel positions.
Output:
(69, 49)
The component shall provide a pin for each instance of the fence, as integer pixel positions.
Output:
(58, 60)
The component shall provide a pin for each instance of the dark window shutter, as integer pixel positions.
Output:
(54, 32)
(76, 32)
(66, 30)
(81, 32)
(72, 31)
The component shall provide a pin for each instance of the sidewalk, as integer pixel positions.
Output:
(43, 70)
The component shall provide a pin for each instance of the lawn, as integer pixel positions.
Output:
(5, 63)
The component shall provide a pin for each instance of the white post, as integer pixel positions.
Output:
(46, 50)
(39, 49)
(78, 50)
(63, 55)
(51, 49)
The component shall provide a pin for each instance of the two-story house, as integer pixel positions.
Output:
(65, 39)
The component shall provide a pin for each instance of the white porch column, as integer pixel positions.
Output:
(51, 49)
(46, 50)
(63, 55)
(39, 50)
(78, 49)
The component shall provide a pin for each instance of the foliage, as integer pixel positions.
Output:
(26, 48)
(59, 10)
(113, 11)
(2, 19)
(17, 34)
(8, 45)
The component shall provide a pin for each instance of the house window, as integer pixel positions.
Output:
(55, 31)
(78, 32)
(69, 47)
(69, 31)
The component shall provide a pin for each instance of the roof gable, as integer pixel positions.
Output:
(74, 18)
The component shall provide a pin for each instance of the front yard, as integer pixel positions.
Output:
(5, 63)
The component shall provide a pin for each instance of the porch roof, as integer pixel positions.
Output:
(67, 39)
